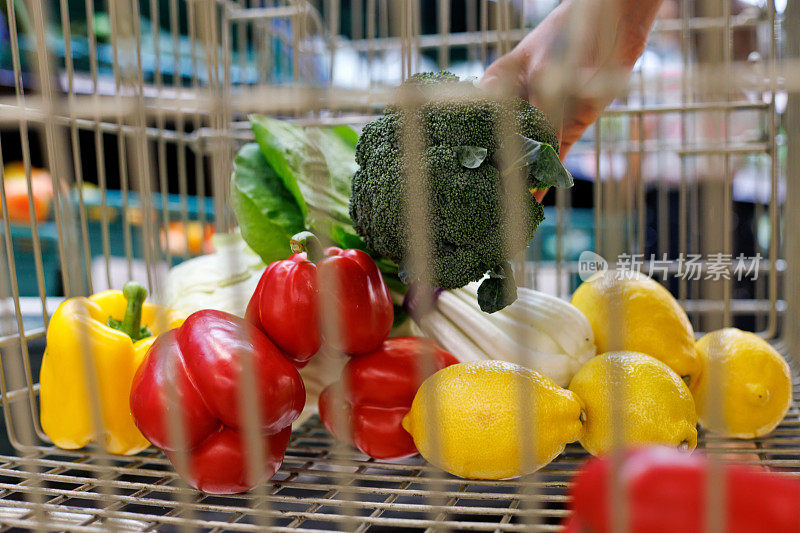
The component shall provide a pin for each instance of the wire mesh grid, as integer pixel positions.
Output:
(130, 119)
(307, 492)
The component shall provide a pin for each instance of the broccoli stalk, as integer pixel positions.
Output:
(467, 221)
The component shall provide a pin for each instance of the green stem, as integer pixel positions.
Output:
(307, 242)
(131, 323)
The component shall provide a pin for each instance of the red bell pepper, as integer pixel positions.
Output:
(286, 301)
(666, 492)
(194, 371)
(375, 392)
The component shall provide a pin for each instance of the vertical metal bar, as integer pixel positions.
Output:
(356, 19)
(662, 192)
(716, 54)
(118, 32)
(298, 36)
(416, 32)
(26, 156)
(333, 29)
(161, 142)
(99, 143)
(443, 17)
(683, 223)
(641, 185)
(484, 20)
(598, 187)
(75, 142)
(180, 121)
(473, 49)
(383, 18)
(792, 216)
(372, 13)
(142, 182)
(727, 221)
(242, 46)
(216, 60)
(561, 220)
(774, 200)
(199, 162)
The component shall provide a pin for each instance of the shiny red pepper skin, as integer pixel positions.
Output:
(380, 388)
(285, 304)
(203, 388)
(667, 493)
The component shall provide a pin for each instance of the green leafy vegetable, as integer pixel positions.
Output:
(287, 151)
(498, 290)
(346, 134)
(542, 159)
(267, 212)
(471, 156)
(314, 165)
(337, 148)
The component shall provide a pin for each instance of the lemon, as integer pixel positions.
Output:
(492, 420)
(630, 311)
(655, 404)
(756, 387)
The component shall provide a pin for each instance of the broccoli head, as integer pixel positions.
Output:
(461, 146)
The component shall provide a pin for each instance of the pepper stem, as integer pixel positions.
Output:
(131, 323)
(307, 242)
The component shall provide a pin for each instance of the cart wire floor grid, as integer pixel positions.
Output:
(322, 485)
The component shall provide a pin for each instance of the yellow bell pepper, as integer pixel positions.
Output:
(112, 330)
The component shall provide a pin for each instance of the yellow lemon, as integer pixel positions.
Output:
(755, 388)
(492, 420)
(655, 405)
(630, 311)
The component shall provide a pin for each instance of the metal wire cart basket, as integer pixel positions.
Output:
(120, 121)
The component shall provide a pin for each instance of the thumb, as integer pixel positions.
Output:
(504, 77)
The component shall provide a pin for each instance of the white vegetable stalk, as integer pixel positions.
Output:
(537, 331)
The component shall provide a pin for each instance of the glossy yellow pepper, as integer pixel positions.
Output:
(112, 331)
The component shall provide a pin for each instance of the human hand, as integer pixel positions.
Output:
(564, 65)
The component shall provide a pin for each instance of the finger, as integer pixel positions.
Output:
(504, 77)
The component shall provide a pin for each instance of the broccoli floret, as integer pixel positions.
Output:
(466, 198)
(432, 78)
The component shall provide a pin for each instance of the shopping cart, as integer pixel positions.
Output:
(138, 121)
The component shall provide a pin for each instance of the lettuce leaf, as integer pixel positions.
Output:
(267, 212)
(315, 165)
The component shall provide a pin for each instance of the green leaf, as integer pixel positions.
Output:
(346, 237)
(315, 165)
(348, 135)
(267, 211)
(542, 162)
(339, 154)
(498, 290)
(288, 152)
(470, 156)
